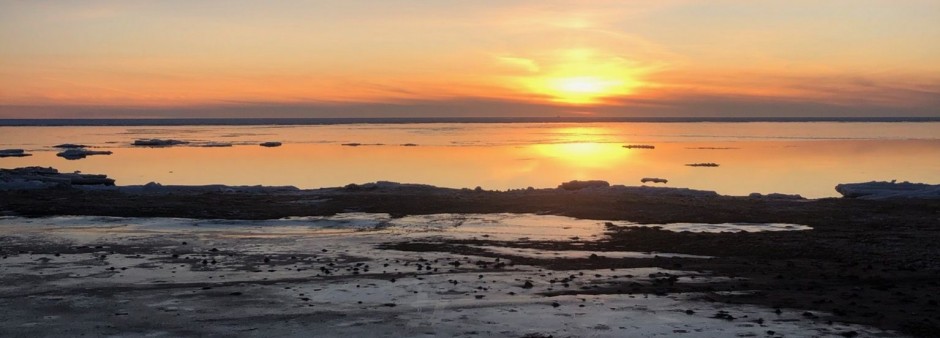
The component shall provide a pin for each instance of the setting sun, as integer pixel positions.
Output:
(583, 89)
(582, 76)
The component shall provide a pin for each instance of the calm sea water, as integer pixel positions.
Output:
(807, 158)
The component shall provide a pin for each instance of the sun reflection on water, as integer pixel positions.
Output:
(583, 154)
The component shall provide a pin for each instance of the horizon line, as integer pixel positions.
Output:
(163, 121)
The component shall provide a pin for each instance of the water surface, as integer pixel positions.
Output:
(807, 158)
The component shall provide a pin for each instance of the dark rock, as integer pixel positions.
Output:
(578, 185)
(69, 146)
(723, 315)
(76, 154)
(14, 153)
(155, 142)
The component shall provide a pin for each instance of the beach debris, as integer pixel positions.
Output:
(654, 180)
(39, 178)
(14, 153)
(887, 190)
(270, 144)
(639, 146)
(578, 185)
(80, 153)
(69, 146)
(704, 164)
(155, 142)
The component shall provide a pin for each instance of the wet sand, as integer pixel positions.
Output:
(872, 263)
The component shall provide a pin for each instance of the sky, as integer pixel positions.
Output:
(420, 58)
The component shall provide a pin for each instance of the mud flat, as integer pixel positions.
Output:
(411, 260)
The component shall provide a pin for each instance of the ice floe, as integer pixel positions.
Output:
(885, 190)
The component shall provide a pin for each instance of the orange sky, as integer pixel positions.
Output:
(450, 58)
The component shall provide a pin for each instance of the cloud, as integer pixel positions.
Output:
(524, 64)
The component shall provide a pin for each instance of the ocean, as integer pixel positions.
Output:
(794, 156)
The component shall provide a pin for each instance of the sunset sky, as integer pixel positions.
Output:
(411, 58)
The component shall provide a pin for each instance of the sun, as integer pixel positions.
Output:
(583, 89)
(579, 76)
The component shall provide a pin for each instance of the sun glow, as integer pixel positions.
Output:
(583, 154)
(581, 76)
(583, 89)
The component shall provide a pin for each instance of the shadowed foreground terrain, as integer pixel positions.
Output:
(868, 262)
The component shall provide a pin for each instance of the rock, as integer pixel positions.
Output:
(158, 189)
(80, 153)
(527, 285)
(155, 142)
(886, 190)
(216, 145)
(354, 144)
(409, 145)
(654, 180)
(776, 196)
(723, 315)
(69, 146)
(639, 146)
(14, 153)
(578, 185)
(271, 144)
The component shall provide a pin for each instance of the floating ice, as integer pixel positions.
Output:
(885, 190)
(80, 153)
